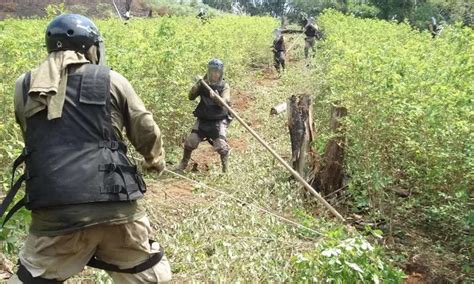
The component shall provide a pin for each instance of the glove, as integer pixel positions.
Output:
(156, 166)
(198, 79)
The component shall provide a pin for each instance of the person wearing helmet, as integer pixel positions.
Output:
(212, 119)
(81, 187)
(311, 31)
(279, 50)
(433, 27)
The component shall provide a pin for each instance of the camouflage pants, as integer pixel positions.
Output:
(279, 60)
(198, 134)
(309, 43)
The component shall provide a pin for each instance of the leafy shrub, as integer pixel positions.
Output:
(409, 101)
(342, 257)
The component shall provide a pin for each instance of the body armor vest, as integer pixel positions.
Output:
(279, 45)
(310, 31)
(78, 158)
(207, 109)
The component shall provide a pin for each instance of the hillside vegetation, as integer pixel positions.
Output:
(409, 123)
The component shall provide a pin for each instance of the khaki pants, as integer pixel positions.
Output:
(125, 245)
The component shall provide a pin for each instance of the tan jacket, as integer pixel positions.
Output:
(129, 114)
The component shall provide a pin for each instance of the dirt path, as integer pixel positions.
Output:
(172, 202)
(175, 198)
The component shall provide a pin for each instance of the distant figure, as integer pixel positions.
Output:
(202, 15)
(279, 50)
(433, 27)
(284, 22)
(128, 8)
(311, 31)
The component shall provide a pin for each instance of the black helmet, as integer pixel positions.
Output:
(215, 72)
(72, 32)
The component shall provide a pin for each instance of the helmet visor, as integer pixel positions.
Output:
(214, 75)
(101, 53)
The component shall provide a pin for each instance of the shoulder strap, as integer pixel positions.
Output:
(14, 187)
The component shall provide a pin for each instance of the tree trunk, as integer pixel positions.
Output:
(301, 130)
(330, 176)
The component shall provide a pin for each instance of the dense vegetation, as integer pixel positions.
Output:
(409, 102)
(409, 127)
(415, 11)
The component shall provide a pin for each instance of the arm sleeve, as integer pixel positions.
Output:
(20, 105)
(130, 113)
(193, 93)
(226, 94)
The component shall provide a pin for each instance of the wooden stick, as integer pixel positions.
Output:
(279, 159)
(294, 42)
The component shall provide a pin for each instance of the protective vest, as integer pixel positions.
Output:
(279, 45)
(207, 109)
(77, 158)
(310, 31)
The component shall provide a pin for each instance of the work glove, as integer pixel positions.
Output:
(157, 166)
(198, 79)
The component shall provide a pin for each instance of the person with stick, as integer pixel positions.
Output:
(279, 50)
(212, 119)
(311, 31)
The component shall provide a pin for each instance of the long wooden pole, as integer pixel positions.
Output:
(275, 154)
(294, 42)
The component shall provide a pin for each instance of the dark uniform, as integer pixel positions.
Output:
(279, 51)
(212, 119)
(310, 32)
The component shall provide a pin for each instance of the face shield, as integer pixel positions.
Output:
(215, 73)
(96, 54)
(101, 53)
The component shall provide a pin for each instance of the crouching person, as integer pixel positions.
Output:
(212, 119)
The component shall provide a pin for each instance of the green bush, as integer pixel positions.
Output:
(343, 257)
(409, 101)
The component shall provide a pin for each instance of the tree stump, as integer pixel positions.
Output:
(330, 174)
(300, 126)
